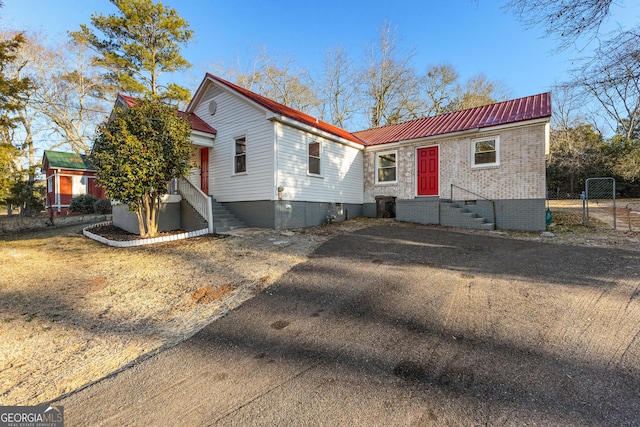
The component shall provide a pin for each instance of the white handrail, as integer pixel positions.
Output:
(196, 198)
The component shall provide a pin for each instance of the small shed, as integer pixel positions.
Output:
(68, 175)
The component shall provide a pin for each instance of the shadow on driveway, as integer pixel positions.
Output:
(405, 326)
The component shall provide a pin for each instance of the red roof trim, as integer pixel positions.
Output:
(513, 111)
(277, 108)
(197, 123)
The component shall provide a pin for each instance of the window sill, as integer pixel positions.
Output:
(313, 175)
(487, 166)
(387, 183)
(239, 174)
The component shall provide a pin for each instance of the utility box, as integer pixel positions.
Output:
(385, 207)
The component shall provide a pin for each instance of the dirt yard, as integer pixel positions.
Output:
(73, 311)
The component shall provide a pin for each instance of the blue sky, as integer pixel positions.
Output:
(474, 36)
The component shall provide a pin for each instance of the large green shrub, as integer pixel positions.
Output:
(83, 204)
(102, 206)
(137, 152)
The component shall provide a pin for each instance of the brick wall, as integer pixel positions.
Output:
(520, 175)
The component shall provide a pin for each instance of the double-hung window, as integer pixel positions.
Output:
(314, 158)
(485, 152)
(240, 157)
(386, 167)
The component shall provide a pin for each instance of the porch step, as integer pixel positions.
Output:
(454, 215)
(223, 220)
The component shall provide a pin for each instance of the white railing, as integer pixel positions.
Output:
(197, 199)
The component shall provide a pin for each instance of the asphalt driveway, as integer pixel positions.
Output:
(405, 326)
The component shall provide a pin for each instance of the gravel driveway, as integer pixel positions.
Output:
(405, 326)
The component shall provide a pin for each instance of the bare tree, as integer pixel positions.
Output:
(340, 88)
(71, 93)
(390, 84)
(279, 79)
(612, 78)
(479, 90)
(443, 93)
(440, 89)
(568, 20)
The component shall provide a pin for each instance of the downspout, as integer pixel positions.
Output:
(277, 173)
(56, 179)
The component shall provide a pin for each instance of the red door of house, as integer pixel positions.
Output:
(428, 171)
(204, 170)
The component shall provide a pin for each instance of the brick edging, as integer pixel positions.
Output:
(139, 242)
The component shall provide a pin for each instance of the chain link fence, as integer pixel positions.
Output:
(597, 207)
(600, 203)
(629, 215)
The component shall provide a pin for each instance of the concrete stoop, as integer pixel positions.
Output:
(223, 220)
(454, 215)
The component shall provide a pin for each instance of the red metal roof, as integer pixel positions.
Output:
(289, 112)
(196, 122)
(517, 110)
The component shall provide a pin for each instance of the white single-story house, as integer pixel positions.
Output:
(276, 167)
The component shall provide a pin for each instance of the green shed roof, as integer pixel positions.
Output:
(62, 160)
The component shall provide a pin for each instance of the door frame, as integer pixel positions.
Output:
(416, 170)
(204, 184)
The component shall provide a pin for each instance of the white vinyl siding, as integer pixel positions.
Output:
(342, 174)
(235, 117)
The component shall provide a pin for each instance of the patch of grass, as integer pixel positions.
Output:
(564, 221)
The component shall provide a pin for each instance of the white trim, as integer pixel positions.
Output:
(56, 173)
(547, 138)
(473, 164)
(201, 140)
(415, 154)
(375, 167)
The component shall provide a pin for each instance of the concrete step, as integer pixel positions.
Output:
(223, 220)
(454, 215)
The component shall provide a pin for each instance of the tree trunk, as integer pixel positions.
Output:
(148, 215)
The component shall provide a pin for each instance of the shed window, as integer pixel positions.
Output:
(79, 185)
(386, 167)
(314, 158)
(485, 152)
(50, 184)
(240, 163)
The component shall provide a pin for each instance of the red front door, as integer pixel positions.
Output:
(204, 170)
(428, 171)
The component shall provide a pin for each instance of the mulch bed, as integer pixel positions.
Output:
(117, 234)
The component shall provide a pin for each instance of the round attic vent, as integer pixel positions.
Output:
(213, 105)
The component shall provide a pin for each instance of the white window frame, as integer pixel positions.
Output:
(309, 142)
(50, 184)
(473, 152)
(376, 167)
(236, 155)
